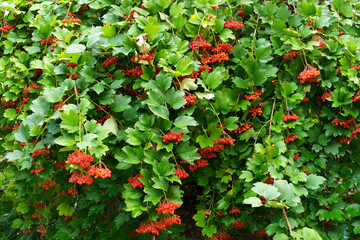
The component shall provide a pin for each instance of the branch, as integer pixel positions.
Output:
(287, 222)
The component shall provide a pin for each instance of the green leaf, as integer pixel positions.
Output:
(215, 78)
(109, 31)
(75, 48)
(65, 209)
(152, 195)
(247, 175)
(307, 9)
(22, 207)
(209, 230)
(281, 236)
(356, 225)
(22, 133)
(254, 201)
(10, 113)
(177, 9)
(65, 140)
(175, 98)
(160, 111)
(52, 95)
(269, 192)
(353, 210)
(39, 105)
(184, 121)
(160, 183)
(200, 219)
(187, 153)
(111, 125)
(204, 141)
(121, 103)
(163, 3)
(134, 136)
(314, 181)
(134, 154)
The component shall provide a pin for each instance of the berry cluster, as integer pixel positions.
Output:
(290, 139)
(103, 119)
(6, 28)
(137, 71)
(41, 230)
(325, 96)
(131, 16)
(233, 24)
(222, 56)
(238, 225)
(345, 139)
(73, 77)
(292, 54)
(173, 136)
(356, 97)
(39, 152)
(220, 214)
(240, 129)
(219, 236)
(48, 184)
(356, 67)
(40, 205)
(181, 173)
(344, 124)
(210, 152)
(305, 99)
(167, 207)
(154, 227)
(322, 44)
(135, 182)
(102, 108)
(60, 165)
(296, 156)
(25, 100)
(290, 117)
(79, 157)
(234, 210)
(225, 141)
(199, 42)
(309, 74)
(269, 180)
(110, 61)
(198, 164)
(80, 178)
(146, 57)
(197, 73)
(99, 172)
(26, 230)
(223, 47)
(255, 111)
(260, 233)
(34, 216)
(190, 99)
(48, 41)
(36, 171)
(69, 218)
(257, 93)
(241, 13)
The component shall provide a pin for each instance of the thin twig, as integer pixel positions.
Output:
(271, 116)
(287, 222)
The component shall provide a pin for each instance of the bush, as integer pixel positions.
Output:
(112, 109)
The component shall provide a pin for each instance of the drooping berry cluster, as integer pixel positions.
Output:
(309, 74)
(234, 210)
(146, 57)
(131, 16)
(167, 207)
(257, 93)
(73, 76)
(39, 205)
(197, 73)
(255, 111)
(290, 117)
(238, 225)
(210, 152)
(26, 230)
(296, 156)
(48, 41)
(321, 43)
(345, 139)
(220, 236)
(199, 163)
(39, 152)
(36, 171)
(48, 184)
(155, 227)
(59, 105)
(356, 67)
(34, 216)
(99, 171)
(8, 104)
(25, 100)
(41, 230)
(260, 233)
(208, 58)
(190, 99)
(80, 178)
(225, 141)
(79, 157)
(356, 97)
(305, 99)
(110, 61)
(292, 54)
(60, 165)
(103, 107)
(173, 136)
(137, 71)
(233, 24)
(240, 129)
(6, 28)
(269, 180)
(103, 119)
(344, 124)
(223, 47)
(199, 42)
(325, 96)
(71, 64)
(135, 182)
(290, 138)
(180, 173)
(241, 13)
(69, 218)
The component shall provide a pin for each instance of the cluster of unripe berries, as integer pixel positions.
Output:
(257, 93)
(290, 139)
(43, 152)
(7, 28)
(154, 227)
(290, 117)
(292, 54)
(309, 74)
(135, 182)
(48, 184)
(167, 207)
(36, 171)
(173, 136)
(344, 124)
(233, 24)
(190, 99)
(110, 61)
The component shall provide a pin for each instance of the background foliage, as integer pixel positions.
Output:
(111, 78)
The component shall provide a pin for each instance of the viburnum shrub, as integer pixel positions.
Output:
(123, 119)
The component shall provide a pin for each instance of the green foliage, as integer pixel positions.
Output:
(153, 88)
